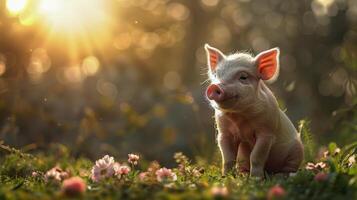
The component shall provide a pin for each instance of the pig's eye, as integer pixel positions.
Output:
(243, 76)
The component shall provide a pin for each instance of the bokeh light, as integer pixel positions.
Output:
(2, 65)
(73, 74)
(210, 3)
(90, 65)
(107, 89)
(40, 63)
(16, 6)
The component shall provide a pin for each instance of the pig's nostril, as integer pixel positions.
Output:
(214, 92)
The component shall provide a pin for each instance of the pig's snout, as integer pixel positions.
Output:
(214, 92)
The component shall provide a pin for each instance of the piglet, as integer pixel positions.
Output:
(253, 133)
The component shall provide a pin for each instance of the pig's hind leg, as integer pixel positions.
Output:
(294, 159)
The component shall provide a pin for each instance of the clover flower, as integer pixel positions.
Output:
(133, 159)
(116, 166)
(320, 165)
(103, 168)
(337, 151)
(315, 167)
(276, 192)
(326, 154)
(164, 175)
(55, 174)
(143, 176)
(122, 170)
(35, 174)
(310, 166)
(351, 160)
(181, 158)
(73, 186)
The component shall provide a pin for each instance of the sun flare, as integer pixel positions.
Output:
(77, 16)
(15, 6)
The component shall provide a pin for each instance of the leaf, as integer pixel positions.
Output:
(18, 186)
(307, 140)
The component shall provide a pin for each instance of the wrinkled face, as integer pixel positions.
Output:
(235, 79)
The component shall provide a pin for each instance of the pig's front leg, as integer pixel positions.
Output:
(229, 149)
(228, 145)
(259, 154)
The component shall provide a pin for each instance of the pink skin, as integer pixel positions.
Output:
(253, 132)
(215, 93)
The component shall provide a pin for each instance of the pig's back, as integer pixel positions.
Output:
(287, 131)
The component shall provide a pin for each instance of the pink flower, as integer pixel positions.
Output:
(321, 177)
(320, 165)
(103, 168)
(73, 186)
(219, 191)
(316, 167)
(35, 174)
(164, 175)
(122, 170)
(310, 166)
(143, 176)
(133, 159)
(276, 192)
(53, 175)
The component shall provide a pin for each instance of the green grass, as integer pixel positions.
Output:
(336, 169)
(193, 181)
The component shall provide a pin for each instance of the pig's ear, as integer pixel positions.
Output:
(214, 56)
(268, 64)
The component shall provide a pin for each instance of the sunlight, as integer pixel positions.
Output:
(76, 27)
(74, 16)
(79, 26)
(15, 6)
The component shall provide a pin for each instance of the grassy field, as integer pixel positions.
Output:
(50, 176)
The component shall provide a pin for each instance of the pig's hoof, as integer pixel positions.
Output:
(257, 173)
(228, 172)
(228, 168)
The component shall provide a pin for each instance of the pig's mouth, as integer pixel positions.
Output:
(227, 103)
(234, 97)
